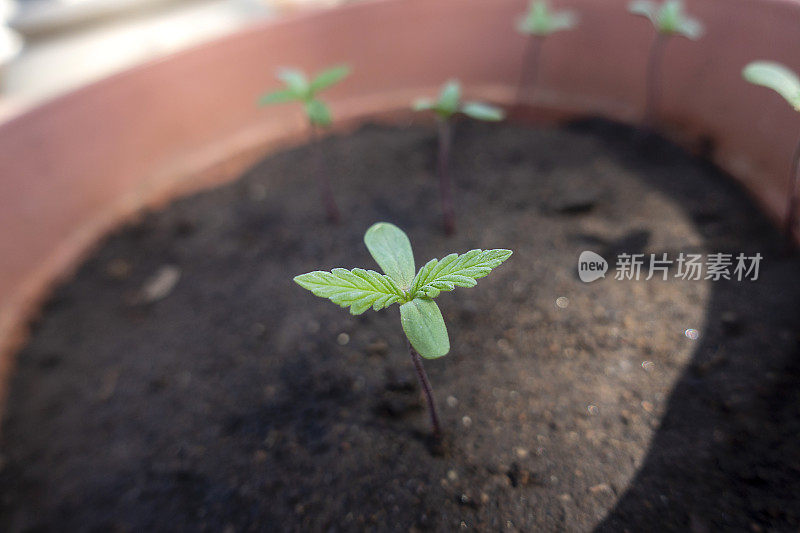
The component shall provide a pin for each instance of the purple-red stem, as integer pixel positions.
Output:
(442, 168)
(529, 71)
(426, 387)
(653, 80)
(323, 180)
(792, 207)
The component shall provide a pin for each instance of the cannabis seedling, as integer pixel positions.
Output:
(420, 317)
(538, 23)
(786, 83)
(668, 20)
(300, 89)
(446, 106)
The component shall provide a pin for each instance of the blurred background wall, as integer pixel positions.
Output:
(48, 47)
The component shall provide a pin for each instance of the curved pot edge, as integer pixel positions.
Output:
(227, 159)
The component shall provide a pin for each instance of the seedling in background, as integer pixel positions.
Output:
(538, 23)
(668, 19)
(414, 291)
(786, 83)
(446, 106)
(300, 89)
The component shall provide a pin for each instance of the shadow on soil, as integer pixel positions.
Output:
(726, 454)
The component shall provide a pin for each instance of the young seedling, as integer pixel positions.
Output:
(414, 291)
(538, 23)
(300, 89)
(668, 20)
(446, 106)
(786, 83)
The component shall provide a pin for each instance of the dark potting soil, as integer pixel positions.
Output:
(181, 381)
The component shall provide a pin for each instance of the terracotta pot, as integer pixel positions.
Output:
(76, 167)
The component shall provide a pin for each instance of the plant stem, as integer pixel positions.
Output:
(445, 186)
(426, 387)
(529, 70)
(792, 207)
(323, 181)
(653, 80)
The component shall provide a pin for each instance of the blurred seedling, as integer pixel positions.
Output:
(786, 83)
(299, 89)
(669, 20)
(414, 291)
(537, 24)
(447, 105)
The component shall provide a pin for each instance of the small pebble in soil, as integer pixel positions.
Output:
(593, 410)
(452, 401)
(378, 348)
(692, 334)
(601, 487)
(520, 477)
(467, 421)
(505, 347)
(466, 501)
(562, 302)
(118, 269)
(342, 339)
(159, 285)
(648, 366)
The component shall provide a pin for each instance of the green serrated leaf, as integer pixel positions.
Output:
(391, 249)
(563, 20)
(329, 77)
(645, 8)
(539, 20)
(424, 326)
(523, 26)
(279, 97)
(456, 271)
(668, 18)
(318, 113)
(294, 79)
(673, 20)
(449, 98)
(777, 77)
(357, 289)
(423, 104)
(481, 111)
(690, 28)
(421, 318)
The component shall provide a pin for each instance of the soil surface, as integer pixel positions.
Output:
(182, 382)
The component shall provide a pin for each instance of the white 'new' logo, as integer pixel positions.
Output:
(591, 266)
